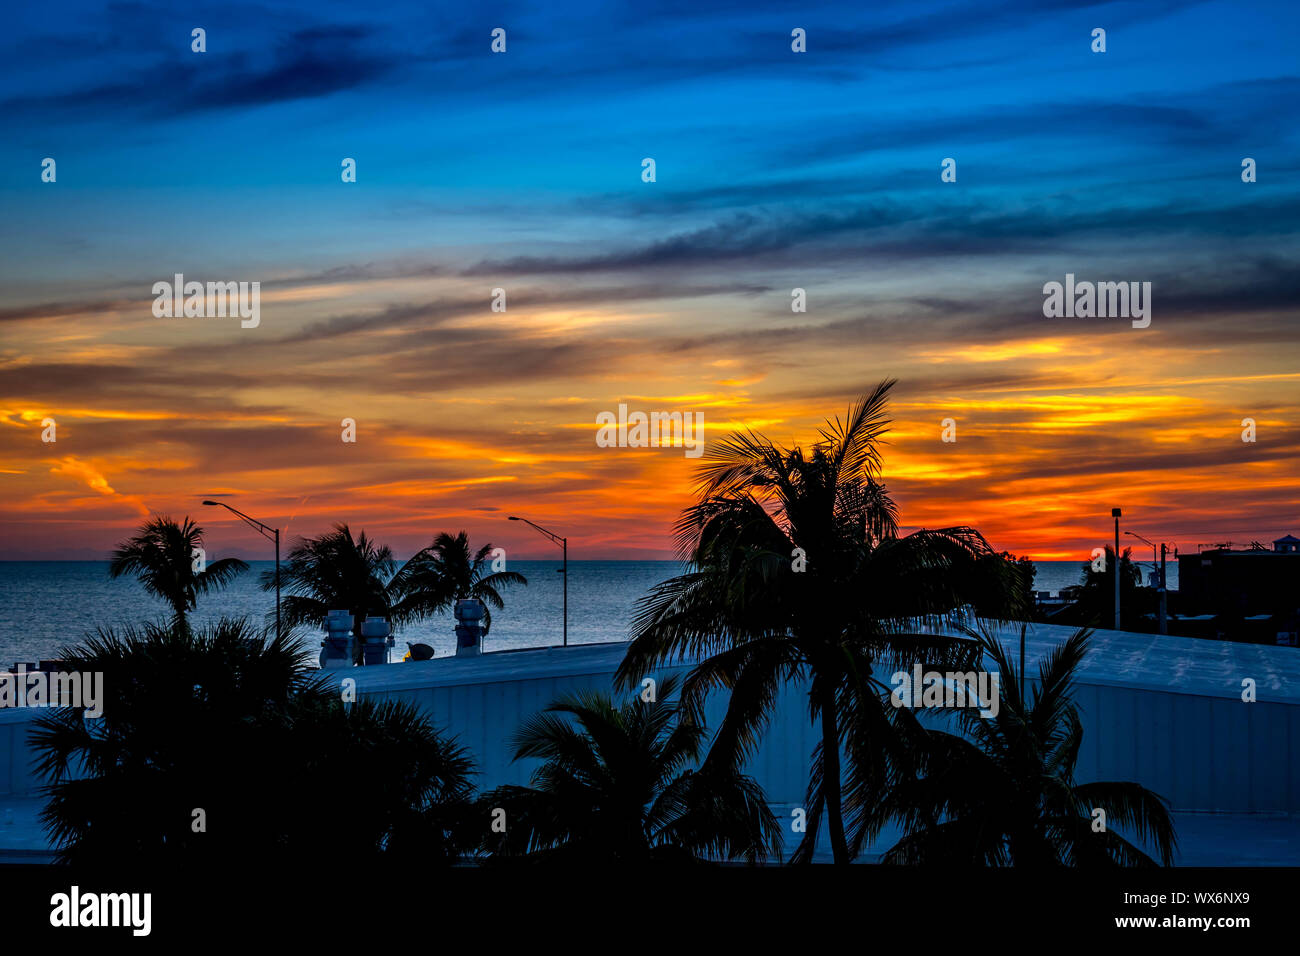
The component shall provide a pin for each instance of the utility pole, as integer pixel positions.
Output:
(1164, 629)
(1115, 513)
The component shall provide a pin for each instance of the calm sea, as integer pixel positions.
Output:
(46, 605)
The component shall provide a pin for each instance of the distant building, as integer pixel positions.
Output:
(1288, 545)
(1237, 586)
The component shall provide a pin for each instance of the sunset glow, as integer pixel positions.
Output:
(667, 296)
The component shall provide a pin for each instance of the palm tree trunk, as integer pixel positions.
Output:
(831, 776)
(180, 620)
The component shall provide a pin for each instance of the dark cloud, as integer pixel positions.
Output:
(58, 310)
(308, 63)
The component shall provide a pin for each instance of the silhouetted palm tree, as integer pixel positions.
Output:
(219, 746)
(1005, 793)
(335, 571)
(616, 784)
(796, 571)
(162, 555)
(1094, 605)
(445, 572)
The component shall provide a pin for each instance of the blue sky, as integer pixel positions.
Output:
(244, 142)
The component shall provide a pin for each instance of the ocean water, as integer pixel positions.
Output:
(48, 605)
(45, 605)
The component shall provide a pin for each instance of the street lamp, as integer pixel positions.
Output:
(1134, 534)
(1162, 573)
(265, 531)
(1115, 513)
(564, 545)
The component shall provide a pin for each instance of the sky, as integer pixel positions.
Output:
(523, 171)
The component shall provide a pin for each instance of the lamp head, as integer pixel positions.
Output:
(512, 518)
(217, 503)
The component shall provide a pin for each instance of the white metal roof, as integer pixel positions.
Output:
(1118, 658)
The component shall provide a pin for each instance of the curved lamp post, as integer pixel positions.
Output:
(564, 545)
(1161, 566)
(265, 531)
